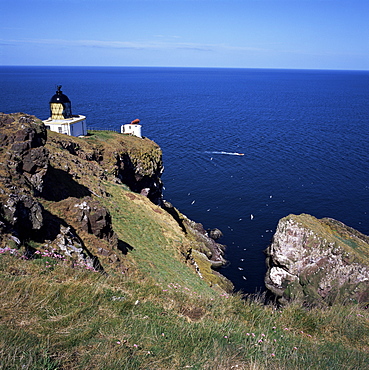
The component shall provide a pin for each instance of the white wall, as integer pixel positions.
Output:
(131, 129)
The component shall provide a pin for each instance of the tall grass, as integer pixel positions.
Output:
(65, 318)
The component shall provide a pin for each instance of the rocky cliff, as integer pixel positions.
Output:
(320, 261)
(58, 195)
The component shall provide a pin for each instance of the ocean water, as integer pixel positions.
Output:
(304, 135)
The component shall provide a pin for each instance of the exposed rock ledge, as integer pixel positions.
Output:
(319, 261)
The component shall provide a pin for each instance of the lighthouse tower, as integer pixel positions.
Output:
(61, 118)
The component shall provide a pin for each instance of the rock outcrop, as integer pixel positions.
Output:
(31, 173)
(91, 217)
(142, 171)
(320, 261)
(24, 163)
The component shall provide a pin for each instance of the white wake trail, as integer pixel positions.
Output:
(225, 153)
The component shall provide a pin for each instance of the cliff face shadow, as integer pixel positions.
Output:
(167, 206)
(124, 247)
(137, 183)
(51, 229)
(59, 185)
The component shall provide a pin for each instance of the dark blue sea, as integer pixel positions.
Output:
(304, 135)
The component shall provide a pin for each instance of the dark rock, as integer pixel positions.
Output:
(6, 119)
(27, 158)
(90, 216)
(215, 233)
(23, 212)
(142, 172)
(35, 165)
(96, 219)
(26, 161)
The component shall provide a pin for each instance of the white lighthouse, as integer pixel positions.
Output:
(61, 118)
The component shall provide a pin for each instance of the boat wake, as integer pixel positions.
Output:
(225, 153)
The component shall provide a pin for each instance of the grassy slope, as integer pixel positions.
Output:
(155, 238)
(59, 317)
(158, 314)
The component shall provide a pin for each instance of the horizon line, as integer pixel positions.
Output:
(183, 67)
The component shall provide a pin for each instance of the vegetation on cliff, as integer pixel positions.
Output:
(94, 199)
(95, 275)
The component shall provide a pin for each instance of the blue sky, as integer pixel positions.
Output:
(312, 34)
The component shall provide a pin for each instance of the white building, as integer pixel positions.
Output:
(133, 128)
(61, 118)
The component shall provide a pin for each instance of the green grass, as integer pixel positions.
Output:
(156, 240)
(64, 318)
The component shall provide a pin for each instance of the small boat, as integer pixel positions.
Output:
(135, 121)
(240, 153)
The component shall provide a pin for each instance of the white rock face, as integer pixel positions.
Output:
(278, 275)
(318, 260)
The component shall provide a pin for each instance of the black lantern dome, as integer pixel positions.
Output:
(60, 106)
